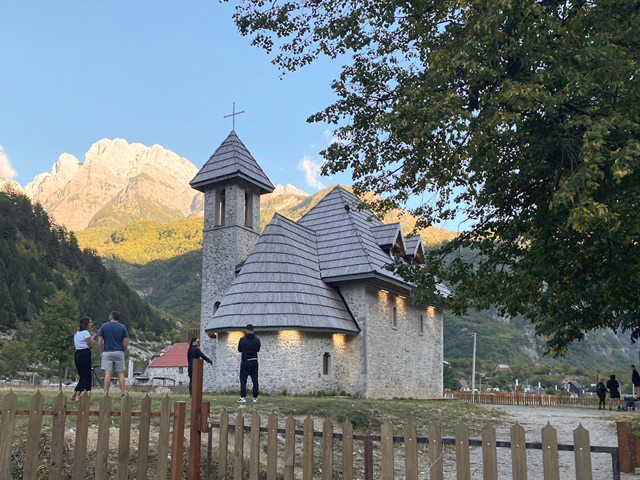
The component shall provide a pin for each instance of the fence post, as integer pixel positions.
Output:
(177, 443)
(347, 451)
(386, 445)
(411, 452)
(327, 450)
(33, 436)
(368, 460)
(463, 463)
(6, 439)
(436, 471)
(124, 438)
(582, 453)
(307, 449)
(289, 447)
(518, 452)
(550, 460)
(223, 446)
(196, 414)
(82, 431)
(143, 438)
(57, 436)
(238, 447)
(163, 439)
(254, 464)
(489, 453)
(102, 448)
(626, 447)
(272, 447)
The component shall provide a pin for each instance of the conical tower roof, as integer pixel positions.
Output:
(231, 161)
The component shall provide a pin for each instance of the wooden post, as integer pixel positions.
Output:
(82, 431)
(289, 447)
(124, 438)
(254, 464)
(177, 443)
(196, 415)
(463, 459)
(102, 448)
(550, 461)
(57, 436)
(307, 449)
(143, 436)
(410, 452)
(368, 460)
(327, 450)
(223, 446)
(626, 447)
(33, 437)
(272, 447)
(6, 439)
(347, 451)
(518, 452)
(163, 438)
(489, 454)
(436, 470)
(582, 453)
(238, 447)
(386, 445)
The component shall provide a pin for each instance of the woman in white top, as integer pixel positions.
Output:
(83, 341)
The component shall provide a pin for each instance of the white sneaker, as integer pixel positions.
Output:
(255, 399)
(242, 400)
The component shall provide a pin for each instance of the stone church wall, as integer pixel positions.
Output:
(291, 361)
(401, 360)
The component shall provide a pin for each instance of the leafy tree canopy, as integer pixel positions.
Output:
(524, 114)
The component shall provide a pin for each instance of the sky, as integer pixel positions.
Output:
(153, 72)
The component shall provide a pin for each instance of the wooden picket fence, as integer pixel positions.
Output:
(297, 457)
(59, 464)
(522, 399)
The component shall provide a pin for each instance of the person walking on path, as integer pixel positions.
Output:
(113, 340)
(83, 341)
(635, 379)
(193, 353)
(601, 391)
(614, 392)
(249, 346)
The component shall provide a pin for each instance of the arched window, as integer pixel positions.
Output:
(421, 324)
(220, 207)
(216, 306)
(394, 317)
(326, 363)
(248, 209)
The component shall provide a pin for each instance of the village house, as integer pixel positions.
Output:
(330, 315)
(168, 368)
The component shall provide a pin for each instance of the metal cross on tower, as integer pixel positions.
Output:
(233, 115)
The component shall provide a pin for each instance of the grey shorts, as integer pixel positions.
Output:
(113, 361)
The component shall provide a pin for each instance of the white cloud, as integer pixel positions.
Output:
(6, 170)
(331, 138)
(311, 171)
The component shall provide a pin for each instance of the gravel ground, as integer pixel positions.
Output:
(602, 432)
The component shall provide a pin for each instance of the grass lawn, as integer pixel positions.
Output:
(366, 415)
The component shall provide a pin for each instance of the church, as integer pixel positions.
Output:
(330, 316)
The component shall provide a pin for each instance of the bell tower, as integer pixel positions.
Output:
(232, 183)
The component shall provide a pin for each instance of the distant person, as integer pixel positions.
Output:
(193, 353)
(113, 340)
(83, 341)
(249, 346)
(601, 392)
(614, 393)
(635, 379)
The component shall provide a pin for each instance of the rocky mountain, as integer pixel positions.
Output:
(6, 184)
(117, 183)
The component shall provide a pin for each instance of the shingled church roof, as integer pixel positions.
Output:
(231, 160)
(280, 287)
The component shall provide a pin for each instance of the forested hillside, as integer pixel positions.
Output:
(37, 259)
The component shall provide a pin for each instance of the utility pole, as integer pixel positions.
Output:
(473, 369)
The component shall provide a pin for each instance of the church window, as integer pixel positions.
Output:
(326, 363)
(248, 209)
(216, 306)
(421, 324)
(394, 317)
(220, 207)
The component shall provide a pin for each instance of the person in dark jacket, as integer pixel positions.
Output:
(601, 391)
(635, 379)
(249, 346)
(193, 353)
(614, 392)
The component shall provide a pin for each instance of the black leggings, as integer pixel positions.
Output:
(83, 365)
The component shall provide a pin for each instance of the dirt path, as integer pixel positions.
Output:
(600, 424)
